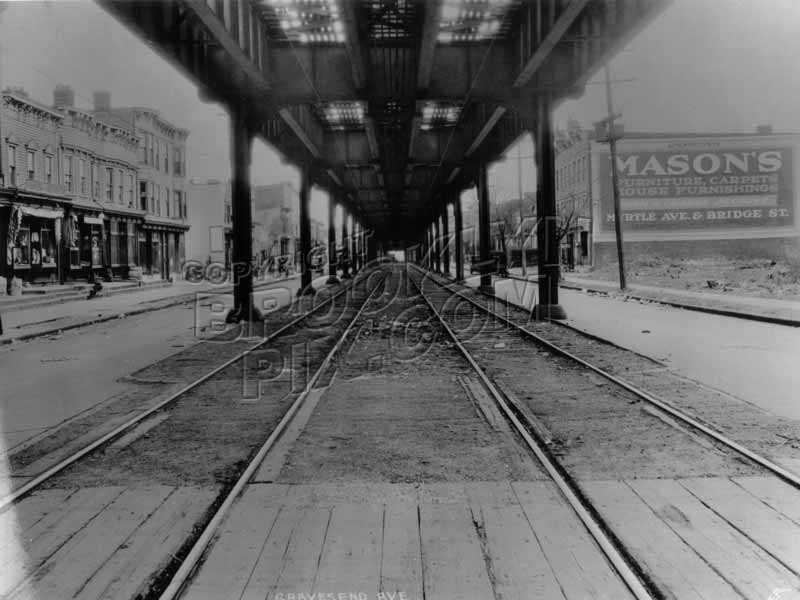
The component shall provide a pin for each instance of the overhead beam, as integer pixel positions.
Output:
(352, 43)
(557, 31)
(220, 33)
(430, 31)
(298, 130)
(486, 129)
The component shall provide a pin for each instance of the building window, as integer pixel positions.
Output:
(166, 158)
(82, 174)
(12, 165)
(157, 163)
(48, 169)
(130, 190)
(150, 202)
(176, 203)
(166, 202)
(68, 173)
(176, 162)
(143, 195)
(150, 146)
(157, 200)
(120, 190)
(31, 165)
(109, 184)
(143, 149)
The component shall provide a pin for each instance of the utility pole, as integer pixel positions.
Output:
(521, 213)
(612, 142)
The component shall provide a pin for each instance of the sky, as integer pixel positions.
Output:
(700, 66)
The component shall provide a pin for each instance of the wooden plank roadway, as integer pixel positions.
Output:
(104, 542)
(708, 538)
(480, 540)
(695, 538)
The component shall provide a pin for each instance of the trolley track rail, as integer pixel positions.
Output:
(779, 471)
(623, 565)
(179, 580)
(121, 429)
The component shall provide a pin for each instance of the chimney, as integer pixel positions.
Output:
(102, 101)
(63, 96)
(764, 129)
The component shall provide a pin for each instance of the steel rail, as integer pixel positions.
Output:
(785, 474)
(29, 486)
(618, 561)
(181, 576)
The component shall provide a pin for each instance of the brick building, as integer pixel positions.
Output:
(32, 191)
(162, 186)
(89, 193)
(573, 194)
(98, 160)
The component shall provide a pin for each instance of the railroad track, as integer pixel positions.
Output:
(496, 333)
(515, 315)
(151, 419)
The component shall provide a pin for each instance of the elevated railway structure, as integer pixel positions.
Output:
(392, 106)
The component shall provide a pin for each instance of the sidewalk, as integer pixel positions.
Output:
(37, 321)
(769, 310)
(785, 312)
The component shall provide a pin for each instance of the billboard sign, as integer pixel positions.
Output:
(701, 189)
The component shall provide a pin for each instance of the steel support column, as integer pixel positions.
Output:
(437, 241)
(458, 224)
(445, 240)
(332, 279)
(242, 215)
(305, 233)
(547, 306)
(345, 242)
(484, 233)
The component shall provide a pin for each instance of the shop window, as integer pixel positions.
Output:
(143, 258)
(68, 173)
(22, 247)
(43, 247)
(584, 244)
(109, 184)
(31, 165)
(114, 243)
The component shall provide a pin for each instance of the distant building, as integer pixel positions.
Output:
(210, 216)
(162, 185)
(276, 227)
(681, 194)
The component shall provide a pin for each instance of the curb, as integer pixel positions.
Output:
(694, 307)
(174, 301)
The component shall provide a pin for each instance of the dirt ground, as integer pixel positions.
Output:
(757, 277)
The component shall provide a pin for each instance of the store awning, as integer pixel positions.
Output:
(42, 213)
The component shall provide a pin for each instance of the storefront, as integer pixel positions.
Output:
(161, 249)
(32, 243)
